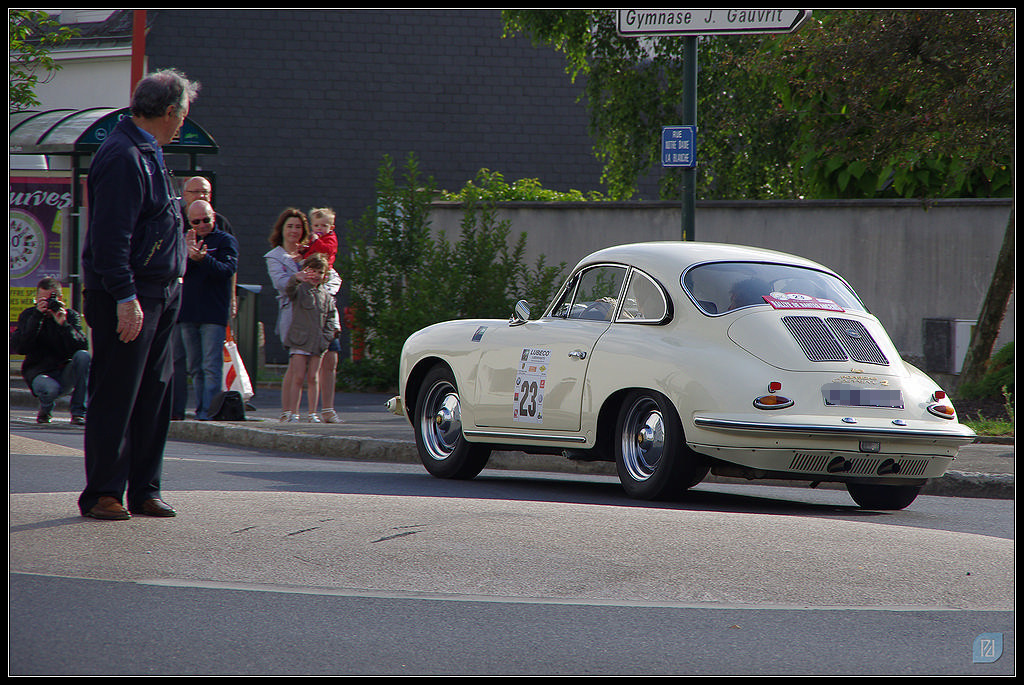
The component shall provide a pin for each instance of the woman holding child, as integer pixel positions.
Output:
(288, 238)
(291, 240)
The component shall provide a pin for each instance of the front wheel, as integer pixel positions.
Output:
(651, 455)
(442, 447)
(883, 496)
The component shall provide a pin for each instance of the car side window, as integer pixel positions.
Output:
(592, 294)
(644, 300)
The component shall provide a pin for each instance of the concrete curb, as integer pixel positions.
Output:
(368, 448)
(951, 484)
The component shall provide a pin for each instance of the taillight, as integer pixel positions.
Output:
(772, 400)
(944, 411)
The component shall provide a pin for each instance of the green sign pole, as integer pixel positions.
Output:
(689, 173)
(689, 24)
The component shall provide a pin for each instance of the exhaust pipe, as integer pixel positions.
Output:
(887, 467)
(839, 465)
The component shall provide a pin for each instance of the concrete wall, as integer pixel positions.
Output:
(908, 262)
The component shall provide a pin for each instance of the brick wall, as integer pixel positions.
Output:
(305, 103)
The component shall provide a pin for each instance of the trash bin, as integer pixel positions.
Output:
(247, 327)
(945, 344)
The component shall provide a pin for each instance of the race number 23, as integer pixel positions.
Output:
(528, 398)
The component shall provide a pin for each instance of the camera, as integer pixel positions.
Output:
(54, 304)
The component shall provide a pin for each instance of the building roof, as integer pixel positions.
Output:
(94, 30)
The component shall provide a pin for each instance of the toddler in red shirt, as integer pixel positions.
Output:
(326, 241)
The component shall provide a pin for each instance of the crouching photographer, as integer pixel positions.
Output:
(57, 361)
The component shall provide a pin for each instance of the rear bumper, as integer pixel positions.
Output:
(819, 452)
(953, 437)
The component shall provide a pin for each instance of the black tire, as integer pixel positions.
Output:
(883, 496)
(651, 455)
(442, 447)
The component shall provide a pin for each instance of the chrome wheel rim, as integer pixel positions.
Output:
(643, 440)
(441, 421)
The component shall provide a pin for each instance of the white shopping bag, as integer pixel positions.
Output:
(235, 376)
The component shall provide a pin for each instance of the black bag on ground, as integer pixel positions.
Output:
(227, 406)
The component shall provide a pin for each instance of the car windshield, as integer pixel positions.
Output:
(721, 287)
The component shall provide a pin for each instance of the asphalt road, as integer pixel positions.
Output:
(280, 564)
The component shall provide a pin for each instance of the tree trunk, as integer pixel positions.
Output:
(983, 339)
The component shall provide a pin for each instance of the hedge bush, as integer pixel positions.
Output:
(402, 277)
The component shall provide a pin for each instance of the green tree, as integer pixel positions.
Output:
(898, 103)
(634, 87)
(857, 103)
(32, 34)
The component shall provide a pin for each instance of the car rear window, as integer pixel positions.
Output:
(720, 287)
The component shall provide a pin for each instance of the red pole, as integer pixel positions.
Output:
(138, 47)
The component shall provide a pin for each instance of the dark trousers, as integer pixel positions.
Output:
(129, 401)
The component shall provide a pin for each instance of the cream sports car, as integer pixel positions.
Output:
(672, 359)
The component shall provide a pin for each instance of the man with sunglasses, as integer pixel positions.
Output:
(200, 188)
(195, 188)
(206, 302)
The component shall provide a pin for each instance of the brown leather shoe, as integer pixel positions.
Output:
(155, 507)
(108, 509)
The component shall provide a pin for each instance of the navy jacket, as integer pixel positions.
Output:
(135, 245)
(206, 294)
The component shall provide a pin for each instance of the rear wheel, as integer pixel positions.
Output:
(883, 496)
(651, 455)
(442, 447)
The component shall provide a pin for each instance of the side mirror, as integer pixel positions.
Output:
(521, 313)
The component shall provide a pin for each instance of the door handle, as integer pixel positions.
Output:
(578, 354)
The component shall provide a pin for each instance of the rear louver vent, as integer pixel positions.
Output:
(817, 341)
(838, 341)
(859, 343)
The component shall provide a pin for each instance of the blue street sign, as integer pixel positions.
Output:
(679, 146)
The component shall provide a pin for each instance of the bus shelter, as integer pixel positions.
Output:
(49, 156)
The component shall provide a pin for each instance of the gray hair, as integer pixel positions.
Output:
(160, 90)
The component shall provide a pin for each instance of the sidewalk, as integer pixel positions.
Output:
(370, 433)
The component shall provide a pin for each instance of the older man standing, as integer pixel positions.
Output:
(206, 302)
(132, 264)
(195, 188)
